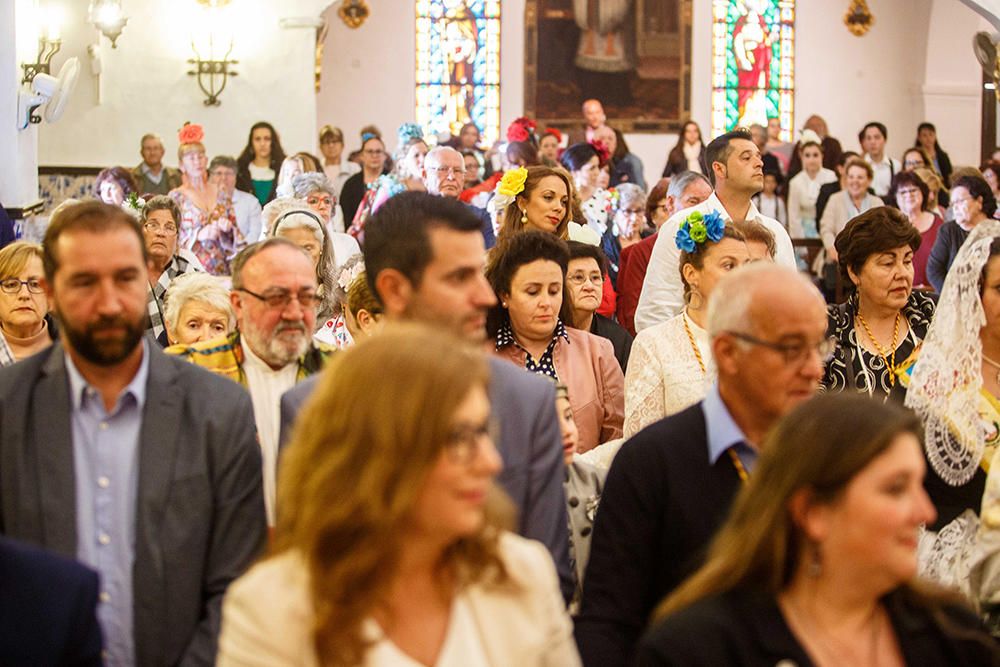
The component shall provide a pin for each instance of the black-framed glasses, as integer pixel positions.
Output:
(464, 442)
(794, 353)
(279, 299)
(13, 285)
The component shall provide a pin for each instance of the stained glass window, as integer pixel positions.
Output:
(753, 64)
(458, 66)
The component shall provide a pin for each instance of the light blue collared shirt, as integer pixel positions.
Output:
(723, 432)
(106, 464)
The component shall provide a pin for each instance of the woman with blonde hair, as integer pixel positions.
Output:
(389, 548)
(207, 226)
(24, 309)
(817, 562)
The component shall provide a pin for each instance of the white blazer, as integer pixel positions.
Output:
(267, 616)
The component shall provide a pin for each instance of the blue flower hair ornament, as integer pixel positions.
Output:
(698, 228)
(408, 132)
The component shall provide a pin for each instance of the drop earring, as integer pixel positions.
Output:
(524, 217)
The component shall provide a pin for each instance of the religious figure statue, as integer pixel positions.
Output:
(460, 37)
(752, 47)
(603, 46)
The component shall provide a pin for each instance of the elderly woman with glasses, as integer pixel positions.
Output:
(884, 320)
(25, 326)
(584, 287)
(629, 208)
(159, 218)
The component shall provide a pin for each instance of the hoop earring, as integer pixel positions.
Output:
(524, 217)
(689, 298)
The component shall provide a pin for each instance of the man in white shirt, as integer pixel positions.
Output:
(736, 171)
(872, 138)
(274, 296)
(222, 173)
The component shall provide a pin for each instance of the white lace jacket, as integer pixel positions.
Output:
(663, 374)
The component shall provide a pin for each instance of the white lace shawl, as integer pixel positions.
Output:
(947, 378)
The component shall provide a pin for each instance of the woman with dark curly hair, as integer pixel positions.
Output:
(528, 274)
(884, 320)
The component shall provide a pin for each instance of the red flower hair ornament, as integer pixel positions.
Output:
(603, 154)
(191, 133)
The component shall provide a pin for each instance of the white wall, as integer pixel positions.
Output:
(144, 86)
(18, 148)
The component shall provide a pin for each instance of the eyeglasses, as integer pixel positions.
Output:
(794, 353)
(444, 172)
(373, 151)
(581, 278)
(13, 285)
(955, 201)
(154, 227)
(634, 212)
(464, 442)
(279, 299)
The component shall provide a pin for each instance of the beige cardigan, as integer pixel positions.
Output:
(267, 616)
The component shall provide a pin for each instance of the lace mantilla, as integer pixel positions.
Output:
(947, 378)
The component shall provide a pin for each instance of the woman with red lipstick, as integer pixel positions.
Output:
(540, 202)
(817, 563)
(884, 320)
(24, 308)
(389, 548)
(528, 274)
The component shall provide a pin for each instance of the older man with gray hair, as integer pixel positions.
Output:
(151, 176)
(670, 486)
(444, 176)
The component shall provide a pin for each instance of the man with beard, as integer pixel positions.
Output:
(274, 296)
(140, 466)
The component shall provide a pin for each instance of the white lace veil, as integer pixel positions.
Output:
(947, 378)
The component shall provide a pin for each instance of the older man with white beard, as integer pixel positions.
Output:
(274, 296)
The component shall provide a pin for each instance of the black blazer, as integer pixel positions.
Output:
(661, 505)
(199, 503)
(747, 629)
(47, 609)
(620, 339)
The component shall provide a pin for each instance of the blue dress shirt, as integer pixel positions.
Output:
(723, 432)
(106, 465)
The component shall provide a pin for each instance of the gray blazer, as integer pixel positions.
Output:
(530, 445)
(200, 506)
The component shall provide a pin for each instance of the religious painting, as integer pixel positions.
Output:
(632, 55)
(753, 64)
(458, 66)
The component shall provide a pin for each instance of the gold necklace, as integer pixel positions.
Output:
(994, 364)
(890, 359)
(737, 463)
(694, 346)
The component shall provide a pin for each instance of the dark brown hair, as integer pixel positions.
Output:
(521, 249)
(911, 178)
(658, 192)
(578, 250)
(876, 230)
(697, 257)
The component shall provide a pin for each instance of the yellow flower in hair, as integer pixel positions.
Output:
(512, 182)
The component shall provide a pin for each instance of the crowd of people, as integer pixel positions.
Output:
(469, 405)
